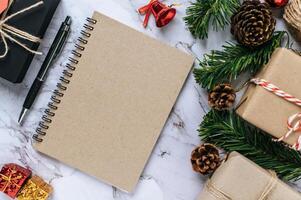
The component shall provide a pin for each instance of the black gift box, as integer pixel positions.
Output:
(15, 65)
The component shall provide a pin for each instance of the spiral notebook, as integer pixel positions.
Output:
(112, 102)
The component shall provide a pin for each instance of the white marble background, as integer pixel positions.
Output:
(168, 174)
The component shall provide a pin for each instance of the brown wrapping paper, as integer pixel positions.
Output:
(242, 179)
(264, 109)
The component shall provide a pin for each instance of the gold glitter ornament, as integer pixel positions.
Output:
(35, 189)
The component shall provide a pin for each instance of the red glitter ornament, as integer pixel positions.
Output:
(12, 178)
(277, 3)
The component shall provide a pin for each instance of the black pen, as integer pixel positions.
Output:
(54, 51)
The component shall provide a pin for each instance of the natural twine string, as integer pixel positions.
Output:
(216, 192)
(293, 12)
(292, 16)
(11, 33)
(221, 195)
(269, 187)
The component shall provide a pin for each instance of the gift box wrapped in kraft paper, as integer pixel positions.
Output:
(272, 101)
(240, 179)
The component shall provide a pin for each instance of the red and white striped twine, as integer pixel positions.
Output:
(272, 88)
(294, 121)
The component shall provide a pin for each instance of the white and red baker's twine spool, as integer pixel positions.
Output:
(294, 121)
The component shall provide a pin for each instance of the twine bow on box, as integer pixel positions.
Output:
(221, 195)
(13, 34)
(294, 121)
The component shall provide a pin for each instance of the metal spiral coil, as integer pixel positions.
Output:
(79, 47)
(65, 79)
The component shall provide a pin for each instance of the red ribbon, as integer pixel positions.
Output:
(163, 14)
(147, 11)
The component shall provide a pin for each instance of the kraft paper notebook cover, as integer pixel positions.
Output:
(115, 104)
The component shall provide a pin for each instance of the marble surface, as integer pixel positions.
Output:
(168, 174)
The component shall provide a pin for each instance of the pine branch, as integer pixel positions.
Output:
(234, 59)
(228, 131)
(202, 13)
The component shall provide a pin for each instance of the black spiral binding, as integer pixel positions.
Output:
(65, 79)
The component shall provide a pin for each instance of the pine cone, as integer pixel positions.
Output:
(205, 159)
(222, 97)
(253, 24)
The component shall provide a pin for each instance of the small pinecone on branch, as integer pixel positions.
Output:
(222, 97)
(205, 159)
(253, 24)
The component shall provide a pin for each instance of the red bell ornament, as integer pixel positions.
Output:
(163, 14)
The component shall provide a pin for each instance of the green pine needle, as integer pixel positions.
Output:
(228, 131)
(234, 59)
(202, 13)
